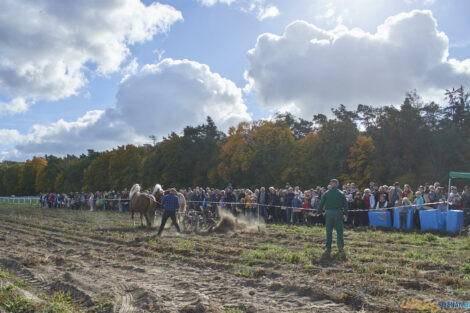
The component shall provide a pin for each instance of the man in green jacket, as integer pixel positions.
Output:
(336, 206)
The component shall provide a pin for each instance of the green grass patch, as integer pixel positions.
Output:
(185, 245)
(231, 310)
(4, 274)
(465, 270)
(60, 302)
(244, 273)
(13, 302)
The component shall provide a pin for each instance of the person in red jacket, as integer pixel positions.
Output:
(306, 205)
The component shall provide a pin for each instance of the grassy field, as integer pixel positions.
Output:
(78, 261)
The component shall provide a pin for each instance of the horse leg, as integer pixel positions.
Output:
(132, 215)
(141, 221)
(148, 218)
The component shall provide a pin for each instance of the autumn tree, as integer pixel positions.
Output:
(45, 179)
(29, 172)
(96, 175)
(360, 162)
(335, 138)
(256, 154)
(10, 180)
(303, 162)
(164, 165)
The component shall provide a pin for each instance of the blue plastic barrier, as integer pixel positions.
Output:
(396, 218)
(429, 219)
(379, 218)
(454, 221)
(442, 221)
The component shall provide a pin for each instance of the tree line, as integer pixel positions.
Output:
(410, 143)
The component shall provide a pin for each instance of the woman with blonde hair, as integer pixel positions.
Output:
(368, 198)
(405, 206)
(407, 192)
(419, 201)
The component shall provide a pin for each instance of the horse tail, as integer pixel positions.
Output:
(135, 189)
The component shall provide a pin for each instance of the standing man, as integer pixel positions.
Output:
(336, 206)
(170, 205)
(262, 201)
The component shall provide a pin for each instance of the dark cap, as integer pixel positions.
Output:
(334, 180)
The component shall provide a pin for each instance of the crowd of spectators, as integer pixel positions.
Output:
(109, 200)
(292, 205)
(289, 205)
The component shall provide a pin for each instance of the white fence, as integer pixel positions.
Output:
(20, 200)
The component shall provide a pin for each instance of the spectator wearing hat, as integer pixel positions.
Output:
(336, 206)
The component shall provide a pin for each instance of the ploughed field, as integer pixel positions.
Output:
(54, 260)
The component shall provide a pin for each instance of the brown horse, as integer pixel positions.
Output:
(142, 203)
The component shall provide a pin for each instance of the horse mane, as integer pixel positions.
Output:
(135, 189)
(156, 189)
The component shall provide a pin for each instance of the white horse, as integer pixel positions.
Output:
(158, 190)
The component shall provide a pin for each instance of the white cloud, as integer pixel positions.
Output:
(212, 2)
(9, 136)
(47, 46)
(257, 7)
(332, 12)
(268, 12)
(130, 69)
(159, 99)
(315, 69)
(16, 105)
(425, 2)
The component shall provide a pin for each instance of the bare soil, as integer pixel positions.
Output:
(107, 265)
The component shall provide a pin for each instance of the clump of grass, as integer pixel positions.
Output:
(378, 269)
(20, 283)
(430, 237)
(4, 274)
(104, 305)
(292, 258)
(176, 257)
(465, 270)
(252, 256)
(231, 310)
(274, 252)
(415, 256)
(60, 302)
(244, 273)
(185, 245)
(13, 302)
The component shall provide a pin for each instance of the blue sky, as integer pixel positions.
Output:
(217, 35)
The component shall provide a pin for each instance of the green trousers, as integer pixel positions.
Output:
(334, 219)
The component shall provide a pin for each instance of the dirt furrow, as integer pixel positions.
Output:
(158, 285)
